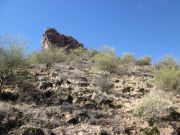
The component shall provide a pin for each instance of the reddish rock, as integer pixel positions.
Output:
(51, 38)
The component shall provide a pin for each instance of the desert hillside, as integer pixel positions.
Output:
(66, 89)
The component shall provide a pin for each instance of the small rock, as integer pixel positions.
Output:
(30, 130)
(41, 78)
(45, 85)
(100, 98)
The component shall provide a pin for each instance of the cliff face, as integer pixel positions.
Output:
(51, 38)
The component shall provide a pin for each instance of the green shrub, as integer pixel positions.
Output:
(11, 58)
(48, 57)
(125, 63)
(76, 56)
(82, 53)
(167, 74)
(127, 59)
(106, 60)
(76, 52)
(146, 60)
(168, 79)
(167, 62)
(103, 81)
(91, 53)
(153, 106)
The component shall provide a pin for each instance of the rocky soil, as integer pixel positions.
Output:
(62, 100)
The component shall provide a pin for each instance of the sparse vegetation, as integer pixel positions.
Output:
(153, 106)
(12, 57)
(125, 63)
(91, 52)
(76, 52)
(76, 57)
(61, 89)
(48, 57)
(106, 60)
(103, 82)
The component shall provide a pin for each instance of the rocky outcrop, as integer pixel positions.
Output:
(51, 38)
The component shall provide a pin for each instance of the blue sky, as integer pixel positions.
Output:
(142, 27)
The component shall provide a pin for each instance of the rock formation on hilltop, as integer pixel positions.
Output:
(54, 39)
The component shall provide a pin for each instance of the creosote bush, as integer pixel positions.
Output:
(48, 57)
(146, 60)
(125, 63)
(127, 59)
(167, 62)
(167, 75)
(106, 60)
(76, 57)
(91, 52)
(103, 81)
(12, 58)
(76, 52)
(153, 106)
(80, 55)
(168, 79)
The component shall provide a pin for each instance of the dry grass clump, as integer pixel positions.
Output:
(103, 81)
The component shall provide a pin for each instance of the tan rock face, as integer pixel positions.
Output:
(51, 38)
